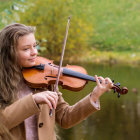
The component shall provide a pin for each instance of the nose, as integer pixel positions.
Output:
(34, 51)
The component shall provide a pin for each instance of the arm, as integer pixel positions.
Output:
(17, 112)
(68, 116)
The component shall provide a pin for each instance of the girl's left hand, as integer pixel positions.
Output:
(101, 87)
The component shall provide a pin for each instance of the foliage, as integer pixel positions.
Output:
(4, 4)
(115, 23)
(50, 18)
(8, 11)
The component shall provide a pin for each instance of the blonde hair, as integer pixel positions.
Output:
(10, 71)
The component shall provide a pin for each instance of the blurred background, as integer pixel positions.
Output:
(104, 39)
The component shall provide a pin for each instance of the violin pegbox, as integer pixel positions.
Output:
(116, 88)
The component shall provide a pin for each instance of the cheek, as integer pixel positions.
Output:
(22, 58)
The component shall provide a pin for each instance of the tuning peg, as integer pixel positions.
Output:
(119, 95)
(114, 90)
(118, 84)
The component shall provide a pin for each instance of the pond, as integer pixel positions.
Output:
(119, 118)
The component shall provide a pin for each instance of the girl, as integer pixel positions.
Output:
(26, 113)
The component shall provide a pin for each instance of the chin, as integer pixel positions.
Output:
(33, 64)
(29, 65)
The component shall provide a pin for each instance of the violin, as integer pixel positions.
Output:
(72, 77)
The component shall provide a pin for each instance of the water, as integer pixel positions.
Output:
(119, 118)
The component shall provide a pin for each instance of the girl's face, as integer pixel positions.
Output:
(26, 50)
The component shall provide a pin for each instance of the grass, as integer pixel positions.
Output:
(117, 25)
(116, 37)
(124, 58)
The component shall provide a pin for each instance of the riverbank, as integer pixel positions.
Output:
(121, 58)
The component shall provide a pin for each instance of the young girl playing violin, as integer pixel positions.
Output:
(25, 111)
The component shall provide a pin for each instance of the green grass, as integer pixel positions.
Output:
(124, 58)
(117, 24)
(116, 37)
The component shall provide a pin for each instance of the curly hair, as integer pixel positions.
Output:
(10, 71)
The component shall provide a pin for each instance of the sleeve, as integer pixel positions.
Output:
(17, 112)
(96, 103)
(68, 116)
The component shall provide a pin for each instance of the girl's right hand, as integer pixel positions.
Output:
(46, 97)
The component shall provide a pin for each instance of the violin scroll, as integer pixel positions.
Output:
(116, 88)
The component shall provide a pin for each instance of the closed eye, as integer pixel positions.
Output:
(25, 49)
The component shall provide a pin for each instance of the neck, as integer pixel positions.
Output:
(72, 73)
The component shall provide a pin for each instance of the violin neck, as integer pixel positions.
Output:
(79, 75)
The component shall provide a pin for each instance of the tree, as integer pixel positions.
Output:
(50, 18)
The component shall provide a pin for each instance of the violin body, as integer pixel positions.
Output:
(36, 78)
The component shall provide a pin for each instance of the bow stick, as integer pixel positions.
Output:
(61, 60)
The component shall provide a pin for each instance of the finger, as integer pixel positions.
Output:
(108, 82)
(52, 100)
(102, 80)
(51, 92)
(54, 96)
(48, 103)
(97, 80)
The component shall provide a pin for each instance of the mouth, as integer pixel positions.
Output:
(32, 59)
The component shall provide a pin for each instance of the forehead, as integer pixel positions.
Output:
(28, 39)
